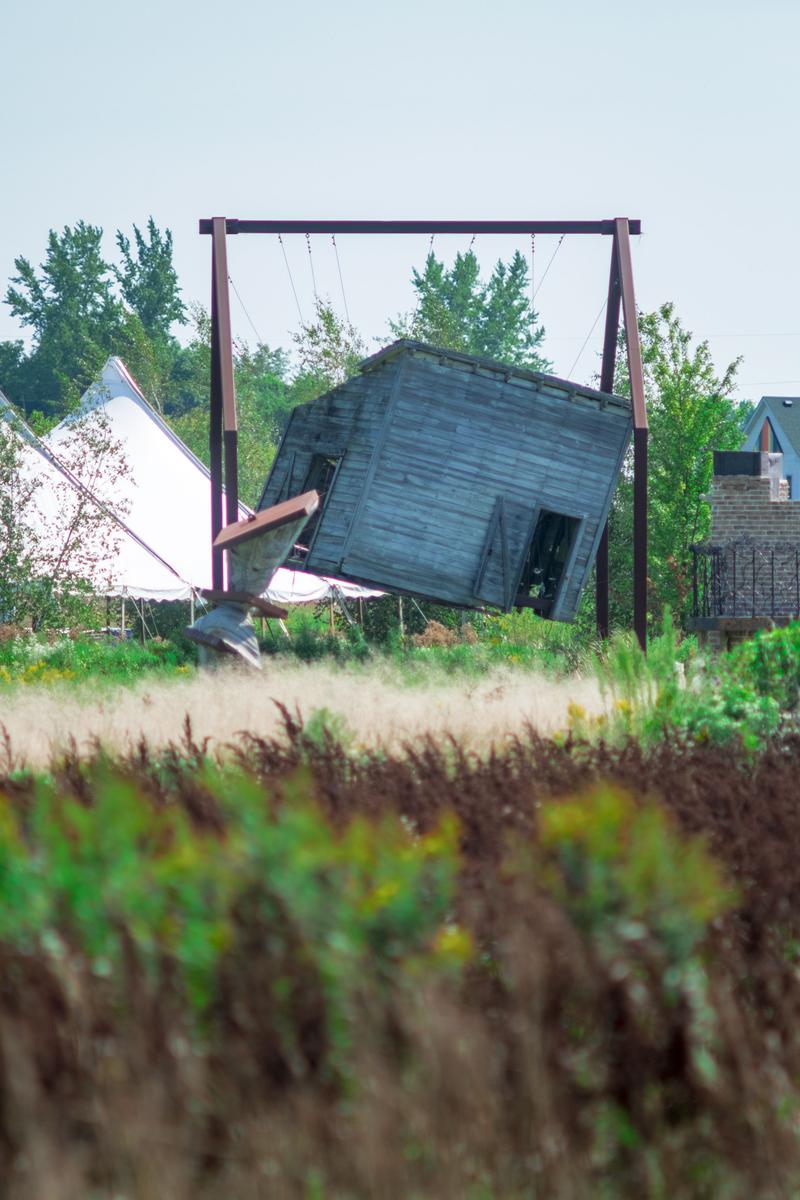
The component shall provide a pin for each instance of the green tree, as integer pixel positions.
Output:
(263, 401)
(148, 281)
(691, 413)
(70, 308)
(54, 556)
(329, 350)
(492, 319)
(79, 310)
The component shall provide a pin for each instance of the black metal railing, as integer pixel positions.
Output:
(746, 578)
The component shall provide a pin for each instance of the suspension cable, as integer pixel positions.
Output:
(588, 336)
(259, 339)
(549, 265)
(533, 252)
(341, 280)
(311, 264)
(291, 280)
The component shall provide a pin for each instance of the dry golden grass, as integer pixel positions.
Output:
(378, 706)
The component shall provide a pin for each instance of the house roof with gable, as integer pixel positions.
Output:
(784, 416)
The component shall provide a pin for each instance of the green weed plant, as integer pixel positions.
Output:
(369, 903)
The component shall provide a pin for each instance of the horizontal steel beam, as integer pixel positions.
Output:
(234, 225)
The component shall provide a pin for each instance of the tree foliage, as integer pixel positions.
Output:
(58, 541)
(77, 316)
(263, 400)
(691, 413)
(148, 281)
(457, 310)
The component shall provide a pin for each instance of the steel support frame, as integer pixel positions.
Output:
(223, 436)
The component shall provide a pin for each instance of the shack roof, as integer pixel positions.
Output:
(536, 380)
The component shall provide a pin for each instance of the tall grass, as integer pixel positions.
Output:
(565, 970)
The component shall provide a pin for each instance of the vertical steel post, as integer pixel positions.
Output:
(622, 238)
(215, 428)
(223, 399)
(607, 385)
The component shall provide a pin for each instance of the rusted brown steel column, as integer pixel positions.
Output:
(607, 385)
(223, 399)
(215, 431)
(640, 430)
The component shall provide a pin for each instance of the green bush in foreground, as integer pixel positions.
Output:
(27, 660)
(370, 900)
(317, 967)
(746, 695)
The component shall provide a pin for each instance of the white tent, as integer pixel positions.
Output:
(52, 491)
(167, 499)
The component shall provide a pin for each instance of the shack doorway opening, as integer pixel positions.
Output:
(550, 551)
(319, 478)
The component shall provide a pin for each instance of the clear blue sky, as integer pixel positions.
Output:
(683, 114)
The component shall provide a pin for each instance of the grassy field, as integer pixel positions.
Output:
(324, 962)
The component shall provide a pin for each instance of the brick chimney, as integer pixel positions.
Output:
(750, 499)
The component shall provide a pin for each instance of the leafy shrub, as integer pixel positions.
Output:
(367, 900)
(39, 660)
(743, 696)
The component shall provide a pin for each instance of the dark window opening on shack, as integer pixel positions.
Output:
(547, 557)
(319, 478)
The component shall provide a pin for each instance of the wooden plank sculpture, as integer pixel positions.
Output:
(255, 547)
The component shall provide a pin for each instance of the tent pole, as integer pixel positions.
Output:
(122, 626)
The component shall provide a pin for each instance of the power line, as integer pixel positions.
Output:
(291, 281)
(588, 337)
(259, 339)
(765, 382)
(341, 280)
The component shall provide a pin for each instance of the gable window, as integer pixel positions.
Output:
(319, 478)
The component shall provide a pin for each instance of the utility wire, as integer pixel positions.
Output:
(549, 265)
(311, 264)
(259, 339)
(588, 337)
(341, 280)
(291, 281)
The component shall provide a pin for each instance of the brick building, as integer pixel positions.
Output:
(747, 577)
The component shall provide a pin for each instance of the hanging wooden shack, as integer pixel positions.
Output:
(455, 479)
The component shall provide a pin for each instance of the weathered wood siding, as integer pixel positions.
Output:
(429, 446)
(346, 422)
